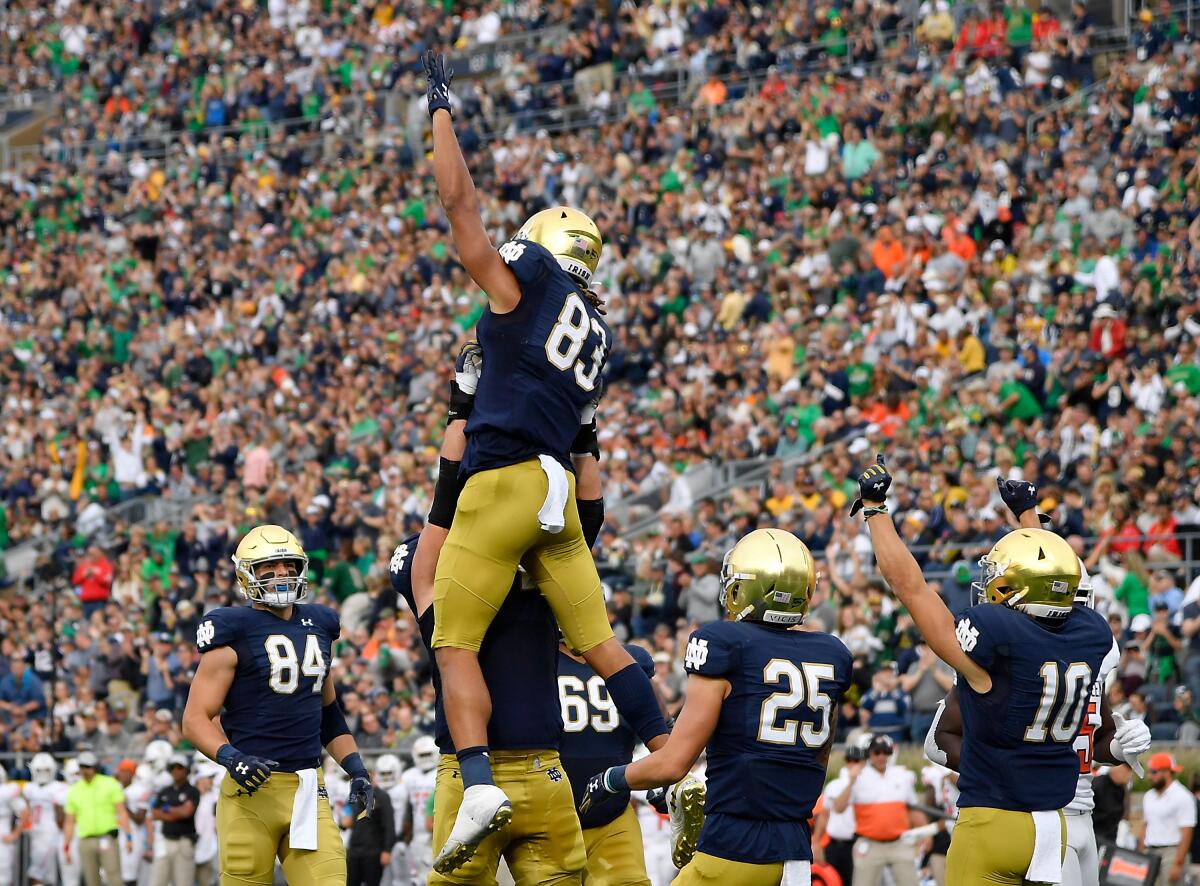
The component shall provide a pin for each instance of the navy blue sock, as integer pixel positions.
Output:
(634, 697)
(475, 765)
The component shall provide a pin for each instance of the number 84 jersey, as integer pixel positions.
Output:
(273, 708)
(1019, 739)
(768, 756)
(541, 365)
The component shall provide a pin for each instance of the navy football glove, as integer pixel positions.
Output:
(657, 798)
(362, 792)
(602, 786)
(439, 74)
(1020, 496)
(873, 484)
(250, 772)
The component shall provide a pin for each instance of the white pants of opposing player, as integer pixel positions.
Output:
(70, 871)
(130, 854)
(8, 860)
(44, 850)
(1081, 865)
(420, 857)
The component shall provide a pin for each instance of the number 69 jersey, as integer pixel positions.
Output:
(768, 756)
(542, 365)
(273, 708)
(1018, 749)
(595, 736)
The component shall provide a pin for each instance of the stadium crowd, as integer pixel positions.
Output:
(875, 242)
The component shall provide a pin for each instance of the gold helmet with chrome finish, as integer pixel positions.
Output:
(271, 544)
(570, 236)
(768, 576)
(1031, 570)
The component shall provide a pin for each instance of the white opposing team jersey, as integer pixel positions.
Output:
(138, 796)
(418, 787)
(1085, 799)
(397, 794)
(42, 799)
(11, 807)
(945, 790)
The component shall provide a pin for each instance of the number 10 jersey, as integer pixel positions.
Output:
(768, 755)
(273, 708)
(1018, 750)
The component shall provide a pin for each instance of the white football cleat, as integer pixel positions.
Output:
(484, 810)
(685, 803)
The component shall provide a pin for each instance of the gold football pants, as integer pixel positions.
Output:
(704, 869)
(991, 847)
(543, 844)
(253, 830)
(616, 855)
(495, 530)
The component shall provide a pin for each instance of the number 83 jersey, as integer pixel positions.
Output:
(273, 708)
(541, 365)
(768, 756)
(1018, 751)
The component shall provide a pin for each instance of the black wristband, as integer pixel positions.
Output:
(586, 441)
(445, 494)
(460, 405)
(591, 518)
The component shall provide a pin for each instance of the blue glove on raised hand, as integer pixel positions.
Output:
(250, 772)
(1020, 496)
(439, 74)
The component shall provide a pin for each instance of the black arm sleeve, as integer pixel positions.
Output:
(445, 494)
(591, 516)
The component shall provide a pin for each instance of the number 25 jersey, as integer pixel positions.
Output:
(767, 758)
(542, 364)
(1018, 749)
(273, 708)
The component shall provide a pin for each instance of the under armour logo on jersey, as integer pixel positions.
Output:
(696, 654)
(205, 633)
(242, 768)
(967, 635)
(306, 622)
(554, 773)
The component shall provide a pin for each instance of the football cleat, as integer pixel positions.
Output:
(685, 804)
(468, 366)
(484, 810)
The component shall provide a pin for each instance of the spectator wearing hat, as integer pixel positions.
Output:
(880, 794)
(21, 691)
(160, 667)
(1169, 810)
(885, 708)
(95, 812)
(175, 806)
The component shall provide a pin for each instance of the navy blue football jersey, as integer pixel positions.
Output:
(543, 362)
(595, 736)
(1018, 740)
(519, 659)
(273, 708)
(767, 758)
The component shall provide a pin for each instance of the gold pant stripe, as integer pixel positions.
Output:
(992, 847)
(495, 530)
(543, 843)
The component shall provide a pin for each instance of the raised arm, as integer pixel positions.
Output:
(903, 575)
(459, 200)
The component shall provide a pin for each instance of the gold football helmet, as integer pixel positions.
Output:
(768, 576)
(570, 236)
(271, 544)
(1032, 570)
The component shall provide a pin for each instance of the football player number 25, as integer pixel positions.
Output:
(286, 666)
(1063, 724)
(803, 684)
(584, 703)
(567, 338)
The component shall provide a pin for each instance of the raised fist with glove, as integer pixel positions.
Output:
(873, 484)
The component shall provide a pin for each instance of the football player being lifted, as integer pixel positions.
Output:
(545, 342)
(1026, 659)
(262, 706)
(1105, 737)
(762, 695)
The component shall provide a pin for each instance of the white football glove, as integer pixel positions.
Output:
(1131, 739)
(915, 835)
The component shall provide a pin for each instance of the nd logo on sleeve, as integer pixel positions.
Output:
(205, 633)
(696, 653)
(967, 635)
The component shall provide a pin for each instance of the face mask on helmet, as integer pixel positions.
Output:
(425, 753)
(275, 583)
(42, 769)
(1033, 571)
(387, 771)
